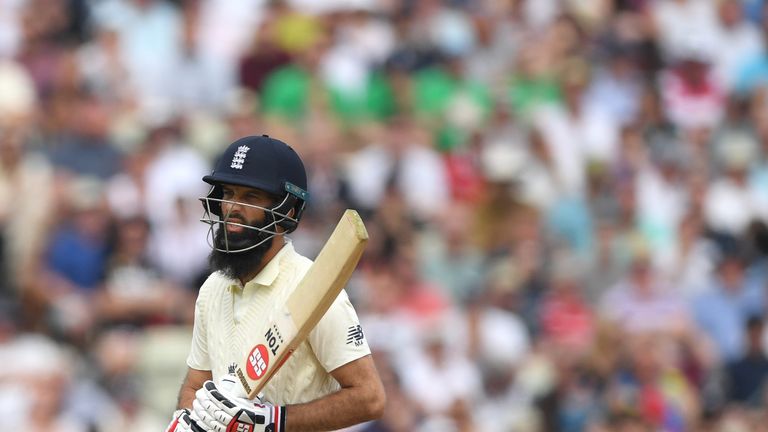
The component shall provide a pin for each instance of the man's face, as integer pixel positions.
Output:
(237, 213)
(238, 208)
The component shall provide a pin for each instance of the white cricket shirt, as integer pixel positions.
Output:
(226, 314)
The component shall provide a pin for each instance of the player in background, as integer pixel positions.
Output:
(258, 193)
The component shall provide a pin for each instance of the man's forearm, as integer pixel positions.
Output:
(192, 381)
(186, 396)
(338, 410)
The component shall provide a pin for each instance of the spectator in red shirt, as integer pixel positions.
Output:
(567, 319)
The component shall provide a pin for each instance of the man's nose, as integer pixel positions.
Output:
(232, 208)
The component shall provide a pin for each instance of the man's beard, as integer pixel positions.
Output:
(237, 265)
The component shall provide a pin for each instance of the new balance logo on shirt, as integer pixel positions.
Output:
(355, 335)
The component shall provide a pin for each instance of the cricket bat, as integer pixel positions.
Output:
(290, 325)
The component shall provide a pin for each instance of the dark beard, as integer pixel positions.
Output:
(237, 265)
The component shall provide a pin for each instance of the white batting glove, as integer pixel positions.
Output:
(218, 411)
(182, 422)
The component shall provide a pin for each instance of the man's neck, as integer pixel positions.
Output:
(278, 242)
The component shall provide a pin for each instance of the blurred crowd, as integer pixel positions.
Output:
(567, 201)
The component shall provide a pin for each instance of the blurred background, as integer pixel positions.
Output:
(567, 201)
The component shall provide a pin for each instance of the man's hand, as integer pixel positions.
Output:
(218, 411)
(182, 422)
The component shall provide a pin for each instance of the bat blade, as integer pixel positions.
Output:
(304, 308)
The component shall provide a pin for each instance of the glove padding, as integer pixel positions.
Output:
(218, 411)
(182, 422)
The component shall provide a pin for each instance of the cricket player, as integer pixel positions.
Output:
(258, 194)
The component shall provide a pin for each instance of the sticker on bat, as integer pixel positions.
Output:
(258, 360)
(274, 339)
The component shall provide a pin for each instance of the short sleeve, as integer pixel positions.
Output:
(338, 338)
(198, 354)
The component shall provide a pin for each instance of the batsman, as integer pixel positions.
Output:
(258, 194)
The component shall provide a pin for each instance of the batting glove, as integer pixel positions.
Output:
(218, 411)
(182, 422)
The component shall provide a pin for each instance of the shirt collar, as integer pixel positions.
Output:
(268, 274)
